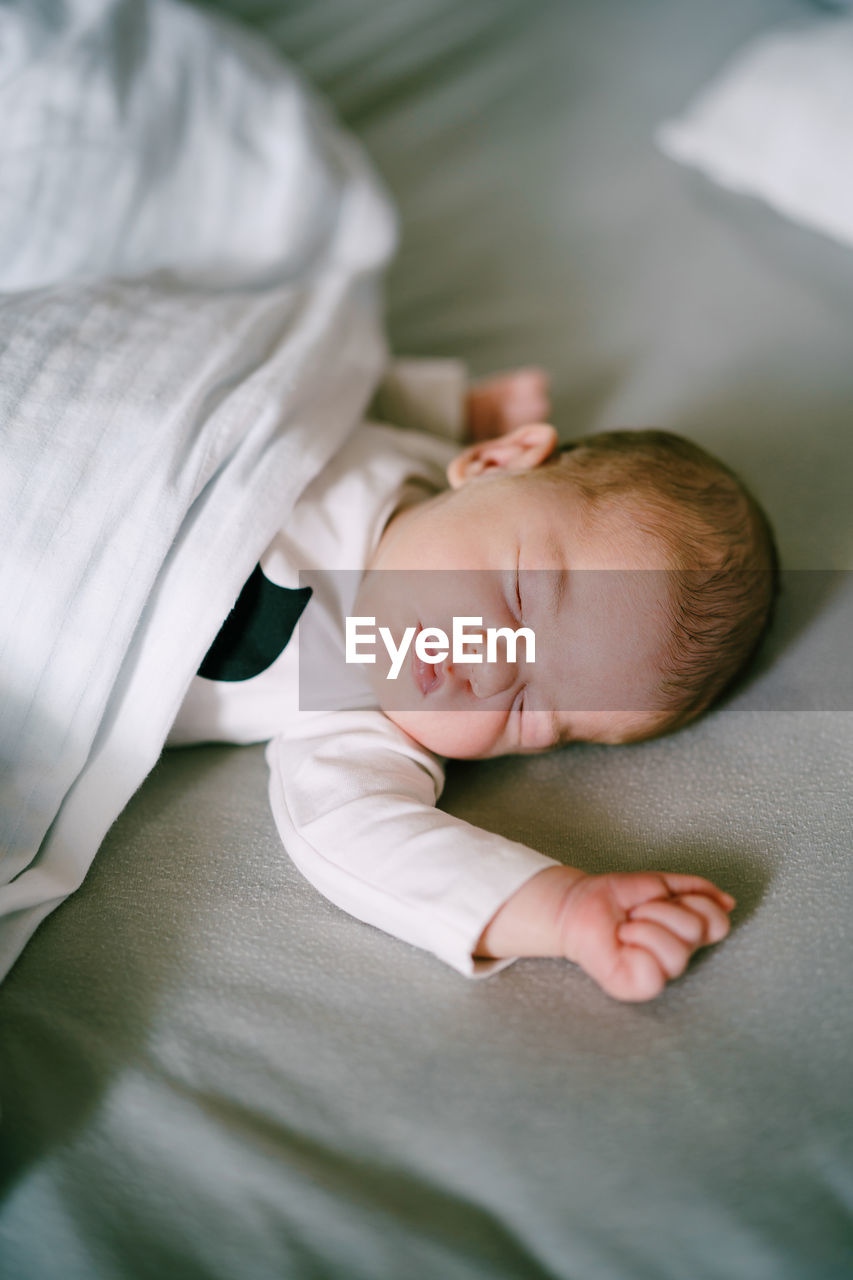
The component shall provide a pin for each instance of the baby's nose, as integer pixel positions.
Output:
(489, 678)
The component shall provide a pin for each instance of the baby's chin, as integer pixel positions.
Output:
(459, 735)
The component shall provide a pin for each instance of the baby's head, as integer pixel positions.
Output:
(645, 569)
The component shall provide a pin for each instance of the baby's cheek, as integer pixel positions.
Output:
(461, 735)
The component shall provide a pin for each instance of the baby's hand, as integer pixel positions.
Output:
(499, 404)
(634, 931)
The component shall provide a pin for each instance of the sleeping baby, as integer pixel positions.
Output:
(607, 590)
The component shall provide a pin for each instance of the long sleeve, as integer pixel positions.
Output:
(354, 801)
(423, 395)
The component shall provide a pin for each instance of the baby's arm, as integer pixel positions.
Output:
(630, 931)
(435, 395)
(496, 405)
(354, 800)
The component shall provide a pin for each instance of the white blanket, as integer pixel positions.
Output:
(189, 328)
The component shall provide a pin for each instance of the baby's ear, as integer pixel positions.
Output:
(523, 449)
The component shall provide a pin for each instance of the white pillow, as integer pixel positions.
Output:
(778, 124)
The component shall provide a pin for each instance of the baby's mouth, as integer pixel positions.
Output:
(427, 676)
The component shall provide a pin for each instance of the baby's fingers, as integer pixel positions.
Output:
(636, 976)
(690, 926)
(670, 951)
(681, 884)
(716, 919)
(696, 918)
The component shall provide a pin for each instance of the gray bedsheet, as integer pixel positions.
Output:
(207, 1070)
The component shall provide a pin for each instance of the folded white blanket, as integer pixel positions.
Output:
(778, 124)
(155, 431)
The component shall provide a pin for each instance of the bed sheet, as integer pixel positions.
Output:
(209, 1071)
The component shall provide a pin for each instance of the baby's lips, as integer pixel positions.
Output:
(428, 676)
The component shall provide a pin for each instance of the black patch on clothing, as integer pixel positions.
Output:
(256, 630)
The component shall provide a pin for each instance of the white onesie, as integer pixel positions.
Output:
(354, 796)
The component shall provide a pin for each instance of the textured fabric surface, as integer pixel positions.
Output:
(143, 136)
(208, 1070)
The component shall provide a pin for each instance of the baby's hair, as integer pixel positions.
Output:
(719, 545)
